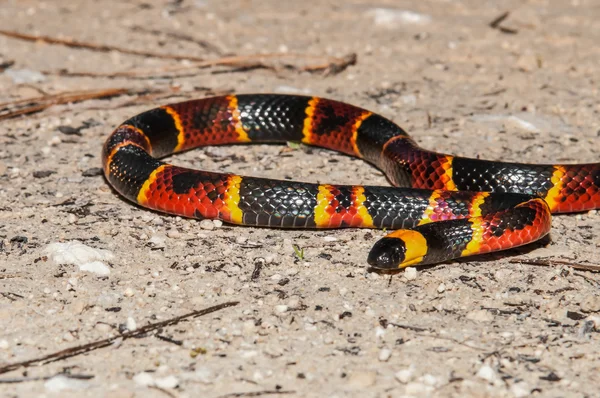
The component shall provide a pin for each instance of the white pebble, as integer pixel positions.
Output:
(103, 327)
(329, 238)
(157, 241)
(131, 324)
(207, 224)
(143, 379)
(405, 375)
(173, 234)
(410, 273)
(362, 379)
(129, 292)
(385, 354)
(281, 308)
(76, 253)
(4, 344)
(391, 18)
(61, 383)
(203, 375)
(487, 373)
(95, 267)
(520, 390)
(441, 288)
(68, 337)
(167, 382)
(217, 223)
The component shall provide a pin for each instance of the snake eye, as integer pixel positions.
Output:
(387, 253)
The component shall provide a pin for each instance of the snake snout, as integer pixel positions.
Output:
(387, 253)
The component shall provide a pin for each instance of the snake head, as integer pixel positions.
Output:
(398, 250)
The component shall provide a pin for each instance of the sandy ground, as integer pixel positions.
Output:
(320, 325)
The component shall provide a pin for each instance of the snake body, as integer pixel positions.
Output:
(442, 207)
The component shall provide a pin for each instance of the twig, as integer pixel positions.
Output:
(26, 379)
(499, 19)
(33, 105)
(552, 262)
(256, 393)
(409, 327)
(327, 65)
(82, 349)
(93, 46)
(180, 36)
(495, 24)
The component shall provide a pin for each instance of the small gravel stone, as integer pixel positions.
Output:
(362, 379)
(405, 375)
(103, 327)
(385, 354)
(131, 324)
(129, 292)
(143, 379)
(207, 224)
(157, 241)
(281, 308)
(4, 344)
(441, 288)
(520, 390)
(166, 382)
(487, 373)
(217, 223)
(410, 273)
(173, 234)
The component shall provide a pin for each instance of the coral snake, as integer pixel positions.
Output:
(443, 207)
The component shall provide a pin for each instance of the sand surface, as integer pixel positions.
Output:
(322, 324)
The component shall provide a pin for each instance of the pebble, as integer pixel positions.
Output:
(4, 344)
(76, 253)
(61, 383)
(391, 17)
(68, 337)
(441, 288)
(487, 373)
(385, 354)
(362, 379)
(166, 382)
(157, 241)
(410, 273)
(95, 267)
(143, 379)
(207, 224)
(129, 292)
(590, 304)
(405, 375)
(217, 223)
(173, 234)
(103, 327)
(418, 390)
(131, 324)
(281, 308)
(520, 390)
